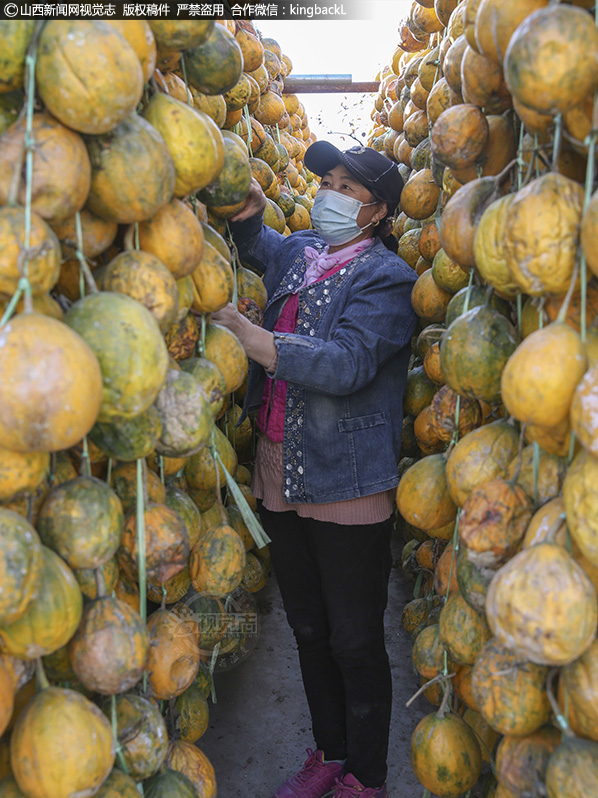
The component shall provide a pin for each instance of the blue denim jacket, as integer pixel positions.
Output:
(345, 365)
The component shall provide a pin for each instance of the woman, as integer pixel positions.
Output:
(327, 378)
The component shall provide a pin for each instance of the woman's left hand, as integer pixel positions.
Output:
(257, 342)
(228, 316)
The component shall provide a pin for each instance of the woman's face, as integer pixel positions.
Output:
(339, 179)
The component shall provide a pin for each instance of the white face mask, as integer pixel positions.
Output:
(334, 216)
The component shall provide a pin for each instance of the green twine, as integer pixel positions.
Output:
(141, 564)
(233, 252)
(81, 282)
(536, 466)
(184, 70)
(556, 147)
(571, 447)
(469, 289)
(535, 155)
(85, 461)
(520, 161)
(249, 131)
(453, 554)
(201, 343)
(29, 143)
(255, 528)
(590, 167)
(119, 752)
(541, 315)
(85, 275)
(519, 313)
(109, 471)
(22, 287)
(455, 435)
(213, 660)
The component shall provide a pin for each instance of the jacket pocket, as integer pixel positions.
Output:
(361, 422)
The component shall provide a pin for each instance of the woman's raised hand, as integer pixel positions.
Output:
(255, 203)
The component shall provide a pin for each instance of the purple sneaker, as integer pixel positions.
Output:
(350, 787)
(315, 779)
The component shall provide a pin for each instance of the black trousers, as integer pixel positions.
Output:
(334, 584)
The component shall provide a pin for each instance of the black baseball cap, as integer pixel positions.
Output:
(373, 170)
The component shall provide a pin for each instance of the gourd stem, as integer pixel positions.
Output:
(536, 468)
(469, 288)
(554, 528)
(520, 161)
(504, 173)
(81, 282)
(201, 343)
(425, 686)
(560, 719)
(455, 435)
(40, 674)
(100, 582)
(540, 306)
(558, 136)
(85, 460)
(447, 687)
(418, 583)
(519, 313)
(567, 300)
(515, 476)
(571, 447)
(84, 266)
(10, 309)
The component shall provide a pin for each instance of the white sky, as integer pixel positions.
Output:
(357, 47)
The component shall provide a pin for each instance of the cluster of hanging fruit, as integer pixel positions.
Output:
(489, 107)
(125, 147)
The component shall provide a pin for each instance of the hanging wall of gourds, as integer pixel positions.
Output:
(489, 107)
(129, 544)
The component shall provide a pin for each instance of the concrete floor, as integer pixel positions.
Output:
(259, 727)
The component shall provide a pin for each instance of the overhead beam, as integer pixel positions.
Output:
(328, 84)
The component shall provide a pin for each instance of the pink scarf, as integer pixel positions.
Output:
(319, 263)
